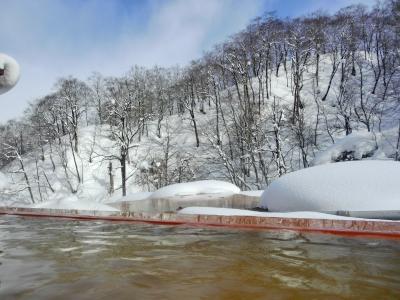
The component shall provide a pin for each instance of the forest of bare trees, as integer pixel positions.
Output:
(259, 105)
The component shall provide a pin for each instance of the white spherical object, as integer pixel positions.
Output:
(9, 73)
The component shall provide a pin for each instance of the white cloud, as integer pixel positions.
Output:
(332, 6)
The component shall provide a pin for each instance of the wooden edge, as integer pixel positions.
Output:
(377, 229)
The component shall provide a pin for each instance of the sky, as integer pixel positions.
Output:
(56, 38)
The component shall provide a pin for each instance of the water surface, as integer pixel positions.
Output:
(64, 259)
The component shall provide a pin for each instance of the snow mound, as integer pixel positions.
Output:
(216, 211)
(196, 188)
(355, 146)
(74, 203)
(130, 197)
(256, 193)
(346, 186)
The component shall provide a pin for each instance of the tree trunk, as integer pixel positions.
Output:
(26, 180)
(397, 157)
(74, 158)
(48, 182)
(335, 67)
(317, 69)
(38, 179)
(111, 176)
(123, 173)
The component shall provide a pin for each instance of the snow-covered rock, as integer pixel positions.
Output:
(355, 146)
(346, 186)
(196, 188)
(216, 211)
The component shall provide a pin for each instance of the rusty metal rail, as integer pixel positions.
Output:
(373, 228)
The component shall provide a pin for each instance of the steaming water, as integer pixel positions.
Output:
(58, 259)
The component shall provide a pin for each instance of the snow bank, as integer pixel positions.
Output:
(73, 203)
(349, 186)
(130, 197)
(352, 147)
(215, 211)
(252, 193)
(196, 188)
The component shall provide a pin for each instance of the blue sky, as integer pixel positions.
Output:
(55, 38)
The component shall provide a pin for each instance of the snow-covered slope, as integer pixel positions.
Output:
(146, 166)
(3, 181)
(73, 203)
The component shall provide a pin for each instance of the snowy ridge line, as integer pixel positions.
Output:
(378, 228)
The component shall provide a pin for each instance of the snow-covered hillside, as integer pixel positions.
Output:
(279, 96)
(147, 158)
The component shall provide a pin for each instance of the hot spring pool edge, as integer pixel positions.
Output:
(378, 228)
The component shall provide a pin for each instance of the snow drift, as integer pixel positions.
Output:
(217, 211)
(196, 188)
(346, 186)
(138, 196)
(74, 202)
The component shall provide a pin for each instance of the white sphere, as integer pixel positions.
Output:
(9, 73)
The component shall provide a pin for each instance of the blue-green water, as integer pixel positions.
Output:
(60, 259)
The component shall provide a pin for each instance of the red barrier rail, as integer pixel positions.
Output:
(375, 228)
